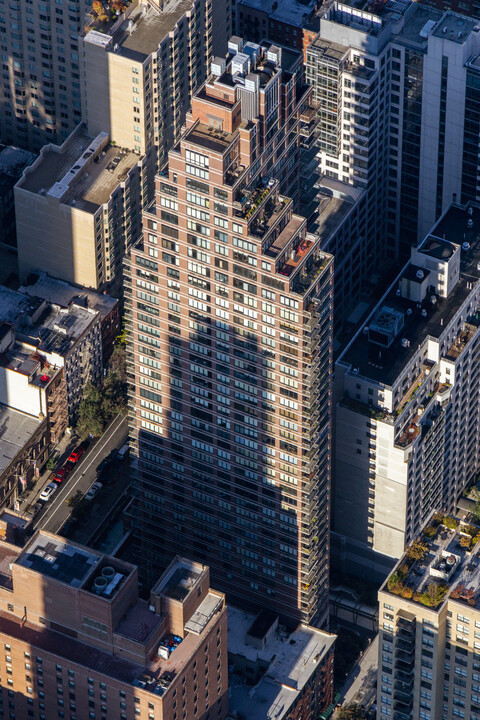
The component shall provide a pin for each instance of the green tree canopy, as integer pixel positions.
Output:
(352, 711)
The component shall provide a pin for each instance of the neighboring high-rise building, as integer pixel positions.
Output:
(408, 410)
(40, 93)
(294, 24)
(142, 68)
(429, 620)
(79, 208)
(395, 88)
(78, 641)
(230, 315)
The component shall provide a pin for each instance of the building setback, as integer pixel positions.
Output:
(229, 304)
(408, 413)
(77, 638)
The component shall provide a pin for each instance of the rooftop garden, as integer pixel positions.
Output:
(104, 11)
(424, 577)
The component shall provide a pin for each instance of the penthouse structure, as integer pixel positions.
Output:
(79, 209)
(429, 618)
(230, 316)
(142, 67)
(407, 414)
(77, 638)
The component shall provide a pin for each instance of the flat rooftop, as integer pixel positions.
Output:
(83, 172)
(452, 227)
(48, 327)
(291, 12)
(326, 48)
(12, 303)
(21, 359)
(419, 26)
(452, 559)
(139, 622)
(16, 429)
(57, 328)
(209, 137)
(179, 579)
(292, 658)
(41, 285)
(56, 558)
(455, 27)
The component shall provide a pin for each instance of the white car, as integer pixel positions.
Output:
(47, 492)
(90, 494)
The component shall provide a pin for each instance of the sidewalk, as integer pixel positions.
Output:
(29, 497)
(360, 686)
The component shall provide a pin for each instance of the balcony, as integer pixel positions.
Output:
(296, 255)
(249, 203)
(233, 175)
(311, 270)
(264, 221)
(464, 336)
(408, 435)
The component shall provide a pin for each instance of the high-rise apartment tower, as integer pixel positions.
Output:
(230, 315)
(40, 93)
(408, 412)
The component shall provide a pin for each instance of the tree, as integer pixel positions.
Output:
(352, 711)
(101, 404)
(90, 413)
(75, 500)
(416, 551)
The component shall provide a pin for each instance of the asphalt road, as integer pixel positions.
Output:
(56, 510)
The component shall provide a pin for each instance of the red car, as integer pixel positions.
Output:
(63, 472)
(76, 454)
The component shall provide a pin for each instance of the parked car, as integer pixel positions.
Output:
(93, 490)
(47, 493)
(76, 454)
(123, 452)
(35, 509)
(106, 461)
(62, 473)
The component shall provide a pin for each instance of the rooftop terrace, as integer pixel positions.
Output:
(443, 562)
(430, 320)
